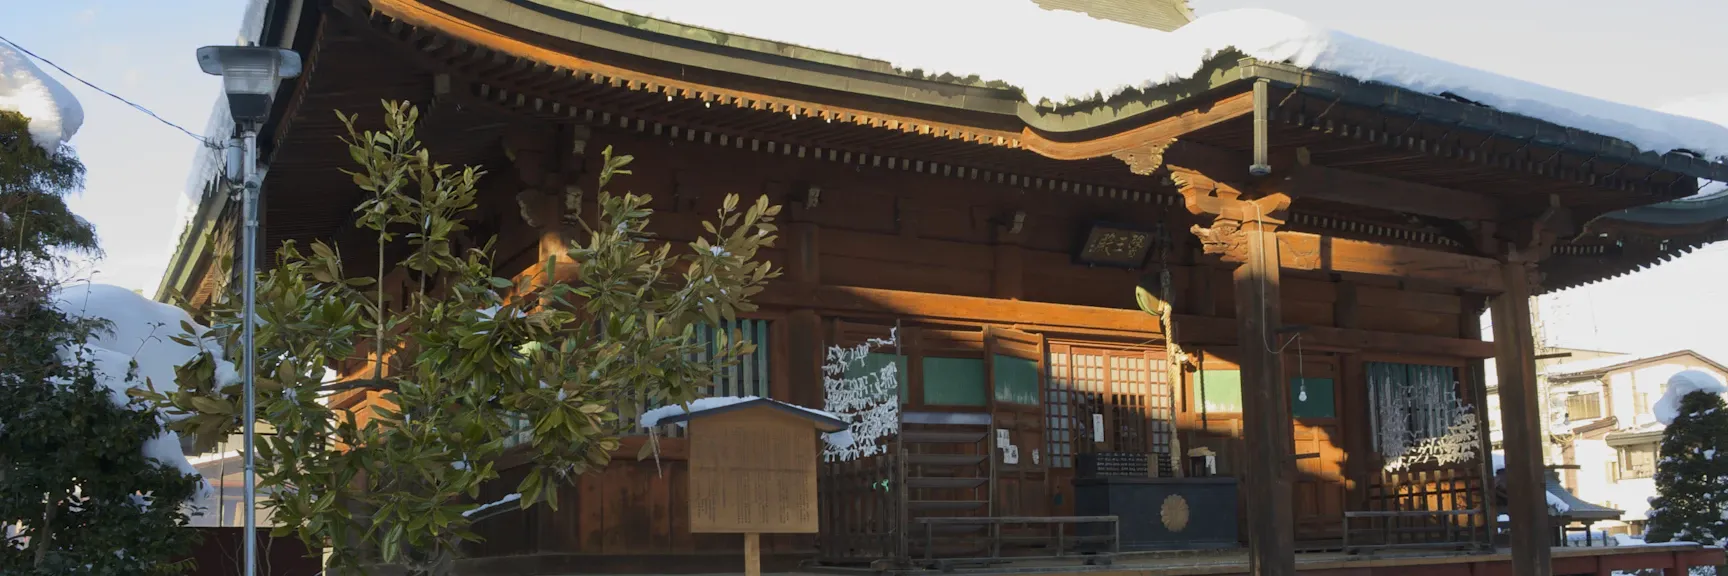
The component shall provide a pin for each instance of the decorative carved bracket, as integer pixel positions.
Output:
(1225, 238)
(1145, 159)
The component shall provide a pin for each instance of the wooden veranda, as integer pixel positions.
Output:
(1234, 276)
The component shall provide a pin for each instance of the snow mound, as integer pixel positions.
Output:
(1679, 385)
(54, 113)
(140, 331)
(1084, 56)
(653, 417)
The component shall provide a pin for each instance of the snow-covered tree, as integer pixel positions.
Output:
(37, 168)
(1692, 475)
(468, 357)
(89, 484)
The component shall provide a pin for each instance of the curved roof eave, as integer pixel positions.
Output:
(679, 44)
(1706, 209)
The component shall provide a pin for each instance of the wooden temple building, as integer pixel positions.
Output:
(1260, 286)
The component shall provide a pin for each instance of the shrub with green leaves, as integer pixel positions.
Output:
(468, 356)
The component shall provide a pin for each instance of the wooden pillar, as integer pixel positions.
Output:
(804, 342)
(1008, 272)
(1470, 327)
(1515, 359)
(1270, 462)
(1244, 232)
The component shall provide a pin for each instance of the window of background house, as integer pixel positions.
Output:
(1638, 461)
(1584, 406)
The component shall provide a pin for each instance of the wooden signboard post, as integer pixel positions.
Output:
(753, 471)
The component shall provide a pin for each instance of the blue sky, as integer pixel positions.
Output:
(137, 166)
(1650, 53)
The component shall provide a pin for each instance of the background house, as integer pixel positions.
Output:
(1605, 429)
(1546, 357)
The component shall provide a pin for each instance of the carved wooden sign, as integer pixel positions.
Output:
(753, 468)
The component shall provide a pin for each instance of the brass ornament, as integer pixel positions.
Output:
(1174, 513)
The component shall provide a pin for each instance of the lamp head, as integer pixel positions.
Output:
(249, 76)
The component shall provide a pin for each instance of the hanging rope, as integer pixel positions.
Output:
(1173, 354)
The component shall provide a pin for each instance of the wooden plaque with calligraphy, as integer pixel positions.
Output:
(753, 471)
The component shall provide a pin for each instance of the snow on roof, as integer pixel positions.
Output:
(1679, 385)
(141, 331)
(54, 113)
(1079, 57)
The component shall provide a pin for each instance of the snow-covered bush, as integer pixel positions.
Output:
(89, 483)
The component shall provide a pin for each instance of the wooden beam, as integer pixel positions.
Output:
(1303, 251)
(1197, 330)
(1270, 463)
(1356, 188)
(1146, 141)
(1520, 413)
(930, 306)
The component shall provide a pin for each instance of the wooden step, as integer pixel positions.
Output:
(945, 459)
(945, 482)
(931, 437)
(945, 504)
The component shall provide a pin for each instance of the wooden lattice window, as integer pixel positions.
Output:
(1059, 411)
(749, 376)
(1584, 406)
(1100, 400)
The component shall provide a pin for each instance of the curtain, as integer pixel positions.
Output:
(1410, 403)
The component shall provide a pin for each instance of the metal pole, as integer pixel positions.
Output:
(248, 288)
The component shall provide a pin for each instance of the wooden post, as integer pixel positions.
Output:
(804, 326)
(1470, 326)
(1519, 415)
(1270, 461)
(752, 554)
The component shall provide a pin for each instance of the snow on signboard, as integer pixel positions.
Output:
(653, 417)
(1080, 57)
(54, 113)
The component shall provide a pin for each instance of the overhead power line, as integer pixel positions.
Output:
(195, 136)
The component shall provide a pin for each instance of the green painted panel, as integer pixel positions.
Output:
(874, 362)
(1016, 379)
(1312, 398)
(954, 382)
(1221, 390)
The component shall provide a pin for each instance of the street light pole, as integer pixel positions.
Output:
(249, 77)
(249, 302)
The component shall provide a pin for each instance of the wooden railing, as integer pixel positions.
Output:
(860, 510)
(1423, 508)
